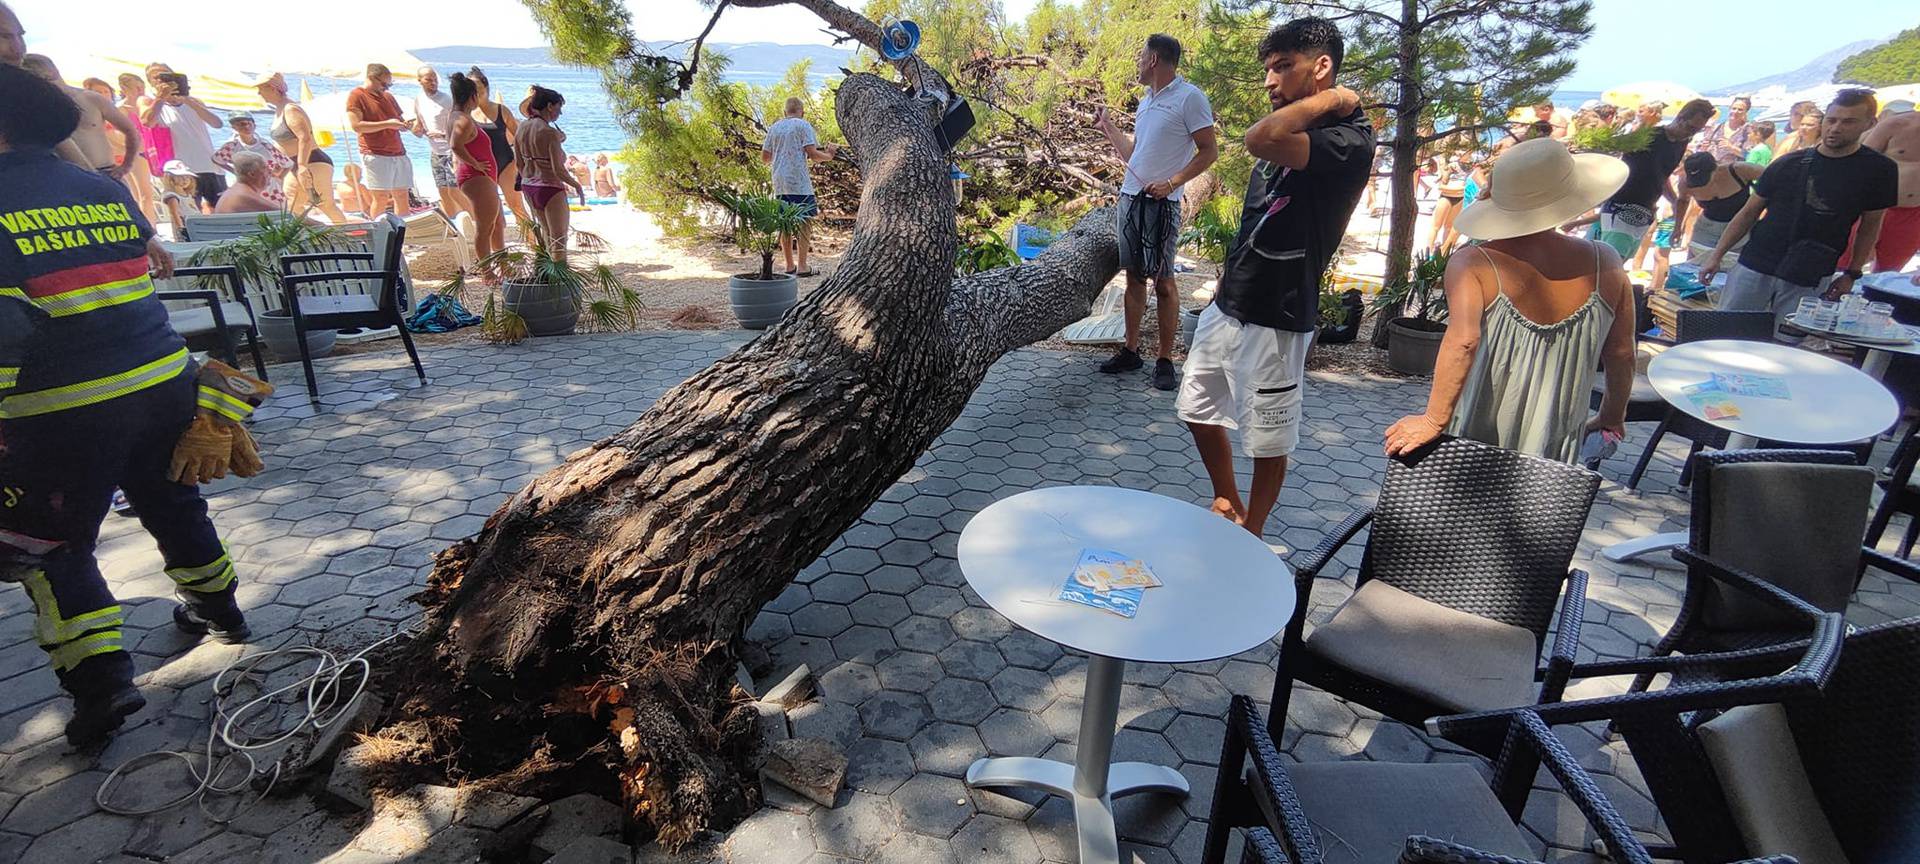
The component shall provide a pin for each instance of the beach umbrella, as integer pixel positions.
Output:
(1631, 96)
(323, 59)
(220, 90)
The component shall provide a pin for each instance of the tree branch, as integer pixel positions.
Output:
(693, 62)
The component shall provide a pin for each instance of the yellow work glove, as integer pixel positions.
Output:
(202, 453)
(244, 460)
(229, 393)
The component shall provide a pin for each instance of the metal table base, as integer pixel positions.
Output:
(1093, 780)
(1628, 550)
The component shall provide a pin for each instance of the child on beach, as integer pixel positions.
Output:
(178, 199)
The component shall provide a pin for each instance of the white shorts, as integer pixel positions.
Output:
(1246, 377)
(386, 173)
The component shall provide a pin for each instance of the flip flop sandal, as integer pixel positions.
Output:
(806, 274)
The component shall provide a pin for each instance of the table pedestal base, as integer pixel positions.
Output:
(1627, 550)
(1093, 780)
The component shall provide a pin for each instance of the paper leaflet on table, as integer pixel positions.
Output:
(1109, 581)
(1763, 386)
(1712, 400)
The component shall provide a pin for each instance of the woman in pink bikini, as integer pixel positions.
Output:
(543, 173)
(475, 171)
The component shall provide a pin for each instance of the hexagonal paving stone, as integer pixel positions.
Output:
(850, 683)
(989, 839)
(946, 748)
(960, 700)
(867, 536)
(938, 601)
(877, 765)
(1025, 689)
(933, 805)
(821, 619)
(981, 624)
(857, 826)
(906, 552)
(1196, 738)
(855, 561)
(976, 660)
(895, 715)
(1009, 732)
(923, 633)
(1022, 648)
(864, 643)
(837, 588)
(910, 671)
(879, 610)
(1199, 694)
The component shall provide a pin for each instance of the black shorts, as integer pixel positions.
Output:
(808, 204)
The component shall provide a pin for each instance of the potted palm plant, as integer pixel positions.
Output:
(1214, 229)
(256, 257)
(544, 295)
(1413, 341)
(760, 298)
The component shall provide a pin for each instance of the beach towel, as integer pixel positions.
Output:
(438, 313)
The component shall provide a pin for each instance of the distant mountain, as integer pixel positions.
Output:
(1817, 71)
(751, 60)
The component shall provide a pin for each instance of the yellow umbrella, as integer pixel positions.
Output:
(322, 134)
(1631, 96)
(225, 92)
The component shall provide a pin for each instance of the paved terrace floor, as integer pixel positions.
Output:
(918, 676)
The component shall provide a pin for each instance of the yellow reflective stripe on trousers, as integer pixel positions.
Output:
(52, 631)
(94, 297)
(98, 390)
(15, 293)
(9, 376)
(225, 404)
(206, 578)
(69, 655)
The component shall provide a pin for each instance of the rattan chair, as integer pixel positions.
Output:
(1464, 563)
(1359, 812)
(384, 307)
(1791, 518)
(1659, 725)
(1902, 496)
(1696, 325)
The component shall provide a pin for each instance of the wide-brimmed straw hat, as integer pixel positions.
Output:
(265, 78)
(1538, 185)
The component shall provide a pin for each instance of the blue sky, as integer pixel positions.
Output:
(1702, 43)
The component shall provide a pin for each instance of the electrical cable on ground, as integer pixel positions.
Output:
(320, 699)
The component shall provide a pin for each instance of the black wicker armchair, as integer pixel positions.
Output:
(1465, 561)
(1902, 496)
(1360, 812)
(1660, 726)
(1695, 325)
(1791, 518)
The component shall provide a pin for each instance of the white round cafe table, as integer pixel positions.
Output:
(1829, 403)
(1224, 592)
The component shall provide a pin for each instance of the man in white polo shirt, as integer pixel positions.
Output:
(1173, 142)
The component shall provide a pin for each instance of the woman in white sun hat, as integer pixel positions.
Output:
(1532, 313)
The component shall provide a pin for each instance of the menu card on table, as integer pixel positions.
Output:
(1109, 581)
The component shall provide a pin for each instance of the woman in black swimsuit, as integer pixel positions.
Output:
(1720, 190)
(500, 125)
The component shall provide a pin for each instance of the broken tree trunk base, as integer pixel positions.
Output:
(583, 641)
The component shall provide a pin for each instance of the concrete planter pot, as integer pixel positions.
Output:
(758, 303)
(1189, 323)
(1413, 344)
(276, 329)
(548, 310)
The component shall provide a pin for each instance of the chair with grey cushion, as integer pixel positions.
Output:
(1697, 325)
(1791, 518)
(383, 307)
(1466, 559)
(1359, 812)
(208, 306)
(1829, 775)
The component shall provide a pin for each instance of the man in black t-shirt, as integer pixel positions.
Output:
(1811, 199)
(1625, 219)
(1247, 364)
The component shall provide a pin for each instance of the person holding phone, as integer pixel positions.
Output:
(189, 124)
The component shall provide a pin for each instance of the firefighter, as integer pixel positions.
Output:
(98, 391)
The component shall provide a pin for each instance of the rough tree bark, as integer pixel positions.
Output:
(585, 638)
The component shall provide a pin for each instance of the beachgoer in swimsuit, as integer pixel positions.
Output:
(544, 177)
(310, 183)
(1720, 190)
(604, 183)
(1898, 138)
(475, 171)
(1452, 182)
(503, 131)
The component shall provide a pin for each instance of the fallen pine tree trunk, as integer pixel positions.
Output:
(585, 639)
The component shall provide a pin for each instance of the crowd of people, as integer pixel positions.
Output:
(152, 134)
